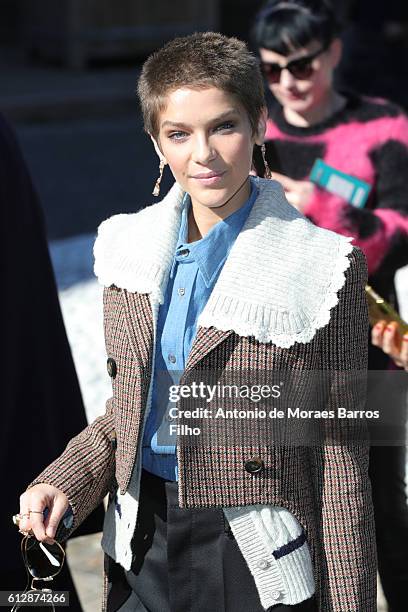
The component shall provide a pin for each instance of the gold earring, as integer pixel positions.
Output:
(267, 173)
(156, 190)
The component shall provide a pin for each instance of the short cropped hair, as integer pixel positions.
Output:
(199, 61)
(284, 26)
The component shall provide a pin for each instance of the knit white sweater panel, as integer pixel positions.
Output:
(278, 284)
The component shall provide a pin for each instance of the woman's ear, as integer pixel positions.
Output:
(336, 51)
(157, 149)
(260, 133)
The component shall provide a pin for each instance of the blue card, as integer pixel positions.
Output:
(352, 189)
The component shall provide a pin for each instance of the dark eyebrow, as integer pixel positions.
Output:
(180, 124)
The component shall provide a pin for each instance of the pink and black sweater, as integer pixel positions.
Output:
(367, 139)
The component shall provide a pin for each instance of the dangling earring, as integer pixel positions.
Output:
(156, 190)
(267, 173)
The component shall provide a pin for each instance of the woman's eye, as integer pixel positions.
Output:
(177, 135)
(228, 125)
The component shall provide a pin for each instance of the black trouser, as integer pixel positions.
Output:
(387, 473)
(387, 393)
(185, 560)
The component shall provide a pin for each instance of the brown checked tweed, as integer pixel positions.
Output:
(325, 487)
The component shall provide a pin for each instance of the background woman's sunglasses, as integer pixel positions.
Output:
(302, 68)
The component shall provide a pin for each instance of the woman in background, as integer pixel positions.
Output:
(299, 50)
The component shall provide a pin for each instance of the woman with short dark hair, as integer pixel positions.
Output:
(363, 144)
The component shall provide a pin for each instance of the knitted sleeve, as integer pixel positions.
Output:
(86, 469)
(380, 231)
(345, 520)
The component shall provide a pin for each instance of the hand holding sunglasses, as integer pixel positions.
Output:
(43, 562)
(301, 68)
(33, 519)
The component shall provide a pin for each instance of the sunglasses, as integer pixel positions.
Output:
(43, 562)
(302, 68)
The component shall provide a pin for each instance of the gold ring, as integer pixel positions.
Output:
(17, 518)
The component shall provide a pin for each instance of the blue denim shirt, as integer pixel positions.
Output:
(195, 270)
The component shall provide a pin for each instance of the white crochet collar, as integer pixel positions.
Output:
(278, 284)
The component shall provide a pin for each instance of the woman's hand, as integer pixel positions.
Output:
(298, 193)
(32, 505)
(388, 338)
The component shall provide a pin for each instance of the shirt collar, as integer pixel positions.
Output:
(211, 251)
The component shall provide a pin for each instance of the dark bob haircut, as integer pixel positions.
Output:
(284, 27)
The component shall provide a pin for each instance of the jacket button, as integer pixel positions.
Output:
(254, 465)
(114, 442)
(111, 367)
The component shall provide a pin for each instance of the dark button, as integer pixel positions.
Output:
(114, 442)
(181, 291)
(254, 465)
(111, 367)
(184, 253)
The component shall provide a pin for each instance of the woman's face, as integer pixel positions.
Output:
(304, 95)
(206, 138)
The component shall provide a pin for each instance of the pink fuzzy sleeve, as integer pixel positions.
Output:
(380, 230)
(330, 211)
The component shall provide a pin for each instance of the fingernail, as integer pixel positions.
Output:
(389, 327)
(405, 338)
(378, 325)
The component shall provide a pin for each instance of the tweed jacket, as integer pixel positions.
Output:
(303, 309)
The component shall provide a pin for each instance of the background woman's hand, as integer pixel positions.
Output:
(387, 337)
(37, 498)
(298, 193)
